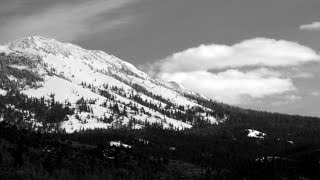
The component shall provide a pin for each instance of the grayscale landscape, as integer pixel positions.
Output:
(146, 89)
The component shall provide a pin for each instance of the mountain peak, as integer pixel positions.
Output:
(47, 47)
(26, 42)
(38, 44)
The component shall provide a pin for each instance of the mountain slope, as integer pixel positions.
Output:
(103, 90)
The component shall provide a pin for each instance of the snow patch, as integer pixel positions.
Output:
(119, 144)
(74, 124)
(12, 78)
(3, 92)
(62, 90)
(256, 134)
(19, 66)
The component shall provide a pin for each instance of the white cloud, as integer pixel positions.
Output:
(254, 52)
(315, 26)
(66, 21)
(191, 69)
(233, 86)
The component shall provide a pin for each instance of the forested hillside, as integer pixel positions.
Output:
(153, 153)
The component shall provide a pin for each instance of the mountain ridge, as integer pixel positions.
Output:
(91, 89)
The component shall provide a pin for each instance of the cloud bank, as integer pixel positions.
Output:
(232, 86)
(315, 26)
(65, 20)
(232, 83)
(254, 52)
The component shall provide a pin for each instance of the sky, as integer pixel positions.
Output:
(259, 54)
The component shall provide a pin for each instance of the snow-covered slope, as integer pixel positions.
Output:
(70, 73)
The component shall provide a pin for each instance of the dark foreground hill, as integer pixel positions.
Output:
(153, 153)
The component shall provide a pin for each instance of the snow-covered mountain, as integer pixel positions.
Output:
(110, 88)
